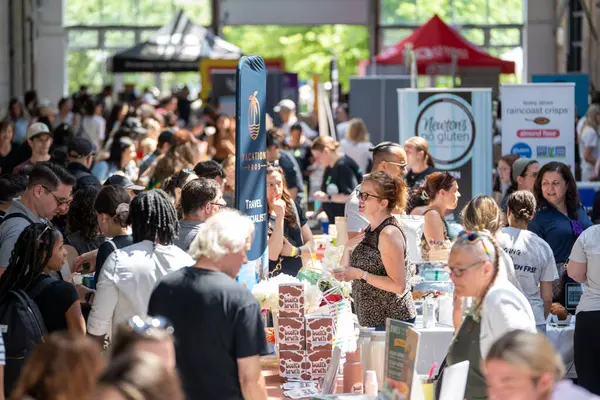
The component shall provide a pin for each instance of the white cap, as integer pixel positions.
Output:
(37, 129)
(285, 104)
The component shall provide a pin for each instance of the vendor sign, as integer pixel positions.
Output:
(457, 124)
(401, 345)
(538, 121)
(251, 162)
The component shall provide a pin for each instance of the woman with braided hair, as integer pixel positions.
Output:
(498, 306)
(37, 256)
(532, 256)
(129, 274)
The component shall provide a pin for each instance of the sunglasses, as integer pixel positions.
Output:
(142, 326)
(48, 227)
(220, 205)
(401, 165)
(447, 177)
(59, 201)
(364, 196)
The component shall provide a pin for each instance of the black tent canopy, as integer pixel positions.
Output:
(176, 47)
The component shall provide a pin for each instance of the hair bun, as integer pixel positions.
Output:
(122, 213)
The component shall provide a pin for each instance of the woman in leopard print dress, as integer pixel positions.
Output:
(376, 260)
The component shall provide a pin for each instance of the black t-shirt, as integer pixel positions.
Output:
(216, 321)
(291, 170)
(54, 302)
(342, 178)
(9, 162)
(106, 250)
(290, 265)
(416, 180)
(304, 158)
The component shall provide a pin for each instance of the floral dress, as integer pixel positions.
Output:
(373, 305)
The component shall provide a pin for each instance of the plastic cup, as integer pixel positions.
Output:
(325, 227)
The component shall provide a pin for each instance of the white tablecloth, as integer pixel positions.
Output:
(563, 340)
(433, 346)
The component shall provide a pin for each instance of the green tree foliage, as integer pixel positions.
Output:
(307, 50)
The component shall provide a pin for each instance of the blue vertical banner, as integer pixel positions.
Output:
(251, 162)
(582, 87)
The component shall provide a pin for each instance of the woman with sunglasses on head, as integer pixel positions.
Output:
(440, 194)
(175, 183)
(376, 259)
(419, 160)
(37, 256)
(498, 306)
(145, 335)
(525, 366)
(290, 237)
(340, 177)
(560, 217)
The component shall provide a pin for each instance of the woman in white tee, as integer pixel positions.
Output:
(584, 267)
(589, 145)
(532, 256)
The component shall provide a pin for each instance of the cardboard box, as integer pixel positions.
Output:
(292, 363)
(319, 333)
(291, 300)
(291, 334)
(316, 364)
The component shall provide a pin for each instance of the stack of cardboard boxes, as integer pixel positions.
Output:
(305, 342)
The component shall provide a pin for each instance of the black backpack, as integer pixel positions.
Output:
(23, 329)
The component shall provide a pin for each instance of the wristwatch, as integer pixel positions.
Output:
(364, 276)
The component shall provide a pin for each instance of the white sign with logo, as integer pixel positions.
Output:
(538, 121)
(457, 124)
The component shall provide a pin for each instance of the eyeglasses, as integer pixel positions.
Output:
(364, 196)
(48, 226)
(142, 326)
(533, 175)
(182, 176)
(59, 201)
(458, 272)
(472, 238)
(220, 205)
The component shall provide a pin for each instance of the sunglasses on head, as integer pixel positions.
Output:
(472, 238)
(142, 326)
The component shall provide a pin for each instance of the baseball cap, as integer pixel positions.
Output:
(520, 166)
(37, 129)
(132, 124)
(124, 182)
(286, 104)
(79, 147)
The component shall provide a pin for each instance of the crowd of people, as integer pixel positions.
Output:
(136, 198)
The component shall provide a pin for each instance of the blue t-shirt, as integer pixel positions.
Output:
(555, 228)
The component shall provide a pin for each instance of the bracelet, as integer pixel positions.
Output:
(294, 252)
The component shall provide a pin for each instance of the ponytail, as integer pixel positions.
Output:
(429, 159)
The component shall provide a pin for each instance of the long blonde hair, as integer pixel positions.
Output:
(422, 145)
(482, 214)
(357, 131)
(590, 117)
(529, 350)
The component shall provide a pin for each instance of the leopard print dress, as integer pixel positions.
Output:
(373, 305)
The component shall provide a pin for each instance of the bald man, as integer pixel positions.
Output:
(387, 157)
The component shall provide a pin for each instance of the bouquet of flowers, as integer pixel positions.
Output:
(267, 293)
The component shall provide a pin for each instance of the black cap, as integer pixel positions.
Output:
(133, 125)
(124, 182)
(79, 147)
(166, 137)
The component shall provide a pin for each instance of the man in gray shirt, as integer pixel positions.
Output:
(388, 157)
(200, 199)
(48, 193)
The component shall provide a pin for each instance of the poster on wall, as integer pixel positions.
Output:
(582, 87)
(538, 121)
(457, 124)
(251, 163)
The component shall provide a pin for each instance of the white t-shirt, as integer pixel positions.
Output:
(534, 263)
(342, 129)
(354, 220)
(504, 309)
(94, 128)
(507, 270)
(359, 152)
(588, 137)
(587, 250)
(126, 281)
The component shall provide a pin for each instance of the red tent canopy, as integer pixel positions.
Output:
(435, 42)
